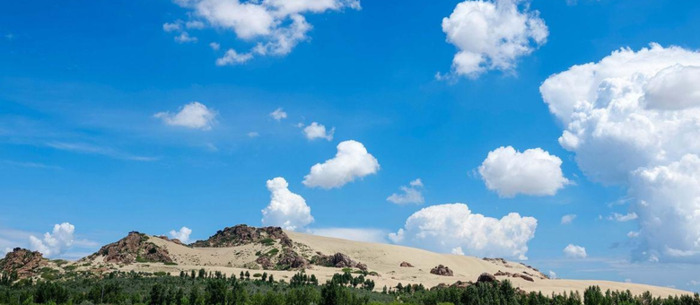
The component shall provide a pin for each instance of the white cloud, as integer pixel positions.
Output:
(318, 131)
(674, 88)
(603, 109)
(231, 57)
(54, 243)
(253, 134)
(457, 251)
(633, 234)
(574, 251)
(351, 162)
(195, 24)
(356, 234)
(532, 172)
(410, 194)
(416, 183)
(631, 119)
(183, 234)
(552, 275)
(492, 35)
(623, 217)
(669, 209)
(278, 114)
(286, 209)
(444, 228)
(214, 46)
(193, 115)
(98, 150)
(567, 219)
(274, 27)
(185, 37)
(174, 26)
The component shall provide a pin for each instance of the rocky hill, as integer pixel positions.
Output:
(22, 262)
(133, 248)
(283, 253)
(243, 235)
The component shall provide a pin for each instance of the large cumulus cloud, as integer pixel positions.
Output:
(351, 162)
(286, 209)
(56, 242)
(492, 35)
(632, 119)
(454, 228)
(532, 172)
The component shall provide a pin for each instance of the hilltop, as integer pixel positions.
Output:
(283, 253)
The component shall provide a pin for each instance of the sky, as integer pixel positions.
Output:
(559, 133)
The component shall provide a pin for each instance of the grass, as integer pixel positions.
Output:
(268, 241)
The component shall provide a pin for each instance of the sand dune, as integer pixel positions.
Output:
(381, 258)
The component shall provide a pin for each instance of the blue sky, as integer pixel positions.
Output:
(81, 84)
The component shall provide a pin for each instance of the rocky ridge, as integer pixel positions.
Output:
(134, 248)
(22, 262)
(243, 235)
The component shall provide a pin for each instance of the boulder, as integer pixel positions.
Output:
(524, 277)
(406, 265)
(486, 278)
(441, 270)
(265, 262)
(289, 259)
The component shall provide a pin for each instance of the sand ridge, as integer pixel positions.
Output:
(384, 259)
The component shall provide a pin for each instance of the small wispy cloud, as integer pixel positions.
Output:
(567, 219)
(85, 148)
(29, 164)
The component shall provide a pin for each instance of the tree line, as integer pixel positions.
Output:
(207, 288)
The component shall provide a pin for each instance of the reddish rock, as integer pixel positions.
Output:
(132, 248)
(24, 262)
(338, 260)
(441, 270)
(265, 262)
(289, 259)
(243, 235)
(524, 277)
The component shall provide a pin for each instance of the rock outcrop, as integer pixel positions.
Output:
(338, 260)
(486, 278)
(290, 259)
(133, 248)
(526, 277)
(406, 265)
(243, 235)
(442, 270)
(23, 262)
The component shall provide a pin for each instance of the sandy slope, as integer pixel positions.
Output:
(382, 258)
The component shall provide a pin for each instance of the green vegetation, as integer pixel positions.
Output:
(202, 288)
(267, 241)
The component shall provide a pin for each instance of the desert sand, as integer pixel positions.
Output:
(381, 258)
